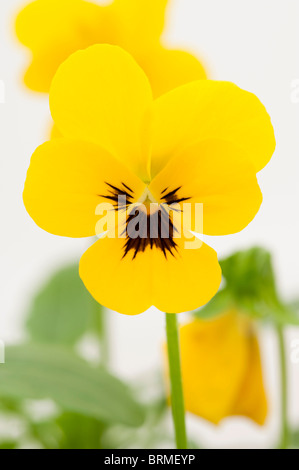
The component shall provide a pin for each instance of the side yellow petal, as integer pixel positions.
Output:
(102, 96)
(209, 109)
(215, 175)
(66, 182)
(168, 69)
(252, 399)
(213, 356)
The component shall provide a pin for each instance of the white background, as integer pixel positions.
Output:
(254, 43)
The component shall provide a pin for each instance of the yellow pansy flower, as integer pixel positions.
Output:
(54, 29)
(201, 143)
(221, 369)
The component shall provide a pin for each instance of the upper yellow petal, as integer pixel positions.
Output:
(211, 110)
(101, 95)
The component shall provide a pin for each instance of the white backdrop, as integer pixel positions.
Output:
(254, 43)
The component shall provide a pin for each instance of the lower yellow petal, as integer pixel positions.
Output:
(66, 182)
(214, 356)
(187, 280)
(172, 283)
(117, 283)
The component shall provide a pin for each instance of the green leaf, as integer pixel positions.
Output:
(63, 310)
(249, 274)
(250, 279)
(40, 372)
(9, 445)
(222, 301)
(80, 432)
(250, 287)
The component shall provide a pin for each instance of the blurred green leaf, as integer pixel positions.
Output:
(68, 431)
(63, 310)
(80, 432)
(9, 445)
(294, 305)
(222, 301)
(250, 287)
(39, 372)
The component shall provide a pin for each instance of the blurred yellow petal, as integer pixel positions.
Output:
(252, 399)
(173, 283)
(208, 109)
(66, 182)
(54, 29)
(221, 369)
(101, 95)
(214, 355)
(168, 69)
(54, 132)
(140, 23)
(216, 174)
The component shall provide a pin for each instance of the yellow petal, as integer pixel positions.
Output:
(117, 283)
(168, 69)
(65, 184)
(213, 356)
(211, 110)
(140, 23)
(54, 29)
(217, 175)
(102, 96)
(54, 132)
(187, 280)
(252, 399)
(130, 286)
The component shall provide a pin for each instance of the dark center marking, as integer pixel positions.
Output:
(145, 228)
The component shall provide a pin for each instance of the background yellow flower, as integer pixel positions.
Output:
(222, 370)
(54, 29)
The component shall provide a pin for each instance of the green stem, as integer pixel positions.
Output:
(284, 439)
(176, 386)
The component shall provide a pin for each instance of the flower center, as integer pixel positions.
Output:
(148, 223)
